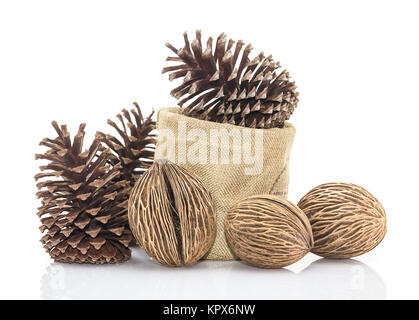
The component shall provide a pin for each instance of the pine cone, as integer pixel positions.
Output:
(220, 86)
(84, 202)
(135, 152)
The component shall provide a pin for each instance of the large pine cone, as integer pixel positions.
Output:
(225, 86)
(84, 202)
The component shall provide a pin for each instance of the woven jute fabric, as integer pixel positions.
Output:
(232, 162)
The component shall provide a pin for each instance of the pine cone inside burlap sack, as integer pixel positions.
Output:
(84, 202)
(225, 86)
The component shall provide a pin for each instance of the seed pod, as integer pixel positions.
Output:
(268, 231)
(171, 215)
(346, 219)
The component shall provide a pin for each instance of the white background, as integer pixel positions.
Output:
(356, 64)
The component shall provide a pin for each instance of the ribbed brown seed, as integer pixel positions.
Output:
(222, 84)
(346, 219)
(171, 215)
(135, 148)
(268, 231)
(84, 202)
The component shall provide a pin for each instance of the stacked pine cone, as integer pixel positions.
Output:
(84, 193)
(224, 85)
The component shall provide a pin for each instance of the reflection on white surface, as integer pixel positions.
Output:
(141, 278)
(340, 279)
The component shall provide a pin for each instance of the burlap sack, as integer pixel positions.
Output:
(233, 162)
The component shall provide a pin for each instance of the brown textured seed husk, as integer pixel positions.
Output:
(346, 219)
(268, 231)
(171, 215)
